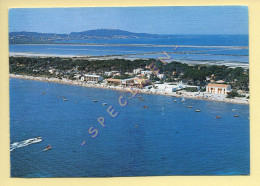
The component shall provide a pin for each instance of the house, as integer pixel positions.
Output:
(110, 73)
(77, 76)
(89, 77)
(51, 71)
(167, 88)
(129, 82)
(137, 71)
(146, 72)
(113, 81)
(220, 81)
(161, 76)
(174, 73)
(218, 88)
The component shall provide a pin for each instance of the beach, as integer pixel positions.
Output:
(189, 95)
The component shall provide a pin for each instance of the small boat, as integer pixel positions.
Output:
(175, 100)
(236, 115)
(189, 106)
(95, 100)
(182, 99)
(47, 148)
(104, 104)
(65, 99)
(197, 110)
(43, 92)
(145, 106)
(139, 96)
(234, 110)
(129, 97)
(136, 125)
(75, 101)
(218, 117)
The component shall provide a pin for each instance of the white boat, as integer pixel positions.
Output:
(182, 99)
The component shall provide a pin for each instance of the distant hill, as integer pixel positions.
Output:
(35, 37)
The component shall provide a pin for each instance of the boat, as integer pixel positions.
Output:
(182, 99)
(218, 117)
(189, 106)
(234, 110)
(95, 100)
(65, 99)
(104, 104)
(47, 148)
(175, 100)
(43, 92)
(136, 125)
(145, 106)
(197, 110)
(75, 101)
(236, 115)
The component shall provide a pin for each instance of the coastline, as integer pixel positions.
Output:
(131, 57)
(189, 95)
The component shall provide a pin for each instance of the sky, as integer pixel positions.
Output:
(154, 20)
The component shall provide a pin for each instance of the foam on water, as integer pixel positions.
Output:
(24, 143)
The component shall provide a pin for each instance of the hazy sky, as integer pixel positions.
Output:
(155, 20)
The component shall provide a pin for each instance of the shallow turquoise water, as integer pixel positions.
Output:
(165, 139)
(210, 54)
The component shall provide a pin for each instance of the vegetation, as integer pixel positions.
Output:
(191, 89)
(233, 94)
(199, 75)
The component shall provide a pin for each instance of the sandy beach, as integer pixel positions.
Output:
(190, 95)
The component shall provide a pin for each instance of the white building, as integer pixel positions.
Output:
(77, 76)
(167, 88)
(218, 88)
(161, 76)
(52, 71)
(89, 77)
(146, 72)
(137, 71)
(110, 73)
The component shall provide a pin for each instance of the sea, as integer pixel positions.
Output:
(152, 135)
(181, 48)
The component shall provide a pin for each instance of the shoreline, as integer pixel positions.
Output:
(189, 95)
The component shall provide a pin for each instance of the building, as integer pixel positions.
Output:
(52, 71)
(218, 88)
(161, 76)
(146, 72)
(89, 77)
(167, 88)
(110, 73)
(113, 81)
(137, 71)
(77, 76)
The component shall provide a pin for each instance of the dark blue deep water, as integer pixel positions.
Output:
(165, 139)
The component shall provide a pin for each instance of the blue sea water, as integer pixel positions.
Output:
(211, 48)
(165, 139)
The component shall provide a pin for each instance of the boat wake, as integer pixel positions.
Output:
(24, 143)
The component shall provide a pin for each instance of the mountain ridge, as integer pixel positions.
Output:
(36, 37)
